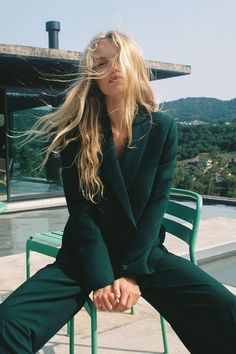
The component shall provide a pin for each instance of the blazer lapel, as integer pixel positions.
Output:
(133, 155)
(121, 176)
(111, 166)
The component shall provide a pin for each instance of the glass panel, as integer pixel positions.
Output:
(27, 180)
(3, 174)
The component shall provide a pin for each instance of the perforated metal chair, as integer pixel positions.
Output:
(48, 243)
(182, 221)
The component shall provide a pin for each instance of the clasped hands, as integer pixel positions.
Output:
(120, 296)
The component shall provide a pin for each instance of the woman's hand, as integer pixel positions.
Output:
(104, 299)
(119, 297)
(126, 292)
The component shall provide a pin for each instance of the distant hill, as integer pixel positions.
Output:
(201, 108)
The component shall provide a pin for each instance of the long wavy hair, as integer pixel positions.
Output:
(78, 117)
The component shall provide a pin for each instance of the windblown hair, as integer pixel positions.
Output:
(78, 117)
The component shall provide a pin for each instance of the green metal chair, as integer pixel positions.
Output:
(175, 219)
(48, 243)
(182, 221)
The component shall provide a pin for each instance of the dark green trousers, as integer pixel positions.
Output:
(201, 311)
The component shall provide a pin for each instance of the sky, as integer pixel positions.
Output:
(199, 33)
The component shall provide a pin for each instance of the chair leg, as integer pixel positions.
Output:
(70, 328)
(93, 316)
(89, 307)
(164, 337)
(94, 331)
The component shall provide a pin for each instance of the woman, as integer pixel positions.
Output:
(118, 157)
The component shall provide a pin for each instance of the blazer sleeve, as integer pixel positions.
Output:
(85, 240)
(137, 251)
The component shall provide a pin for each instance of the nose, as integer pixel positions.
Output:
(115, 65)
(115, 69)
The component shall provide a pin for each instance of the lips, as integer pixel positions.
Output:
(115, 78)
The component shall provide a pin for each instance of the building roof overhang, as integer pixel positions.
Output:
(22, 66)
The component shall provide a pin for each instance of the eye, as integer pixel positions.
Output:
(101, 65)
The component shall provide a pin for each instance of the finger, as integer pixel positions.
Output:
(102, 305)
(130, 302)
(98, 302)
(95, 300)
(96, 295)
(120, 308)
(116, 303)
(113, 300)
(97, 305)
(136, 298)
(123, 302)
(107, 303)
(116, 288)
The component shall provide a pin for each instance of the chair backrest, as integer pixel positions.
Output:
(182, 220)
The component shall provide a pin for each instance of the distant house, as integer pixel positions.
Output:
(192, 122)
(200, 164)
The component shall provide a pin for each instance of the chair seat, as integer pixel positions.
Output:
(47, 243)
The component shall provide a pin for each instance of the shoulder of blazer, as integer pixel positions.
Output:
(156, 119)
(161, 125)
(162, 118)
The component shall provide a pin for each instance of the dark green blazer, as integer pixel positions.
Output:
(121, 234)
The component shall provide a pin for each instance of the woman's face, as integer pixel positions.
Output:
(111, 84)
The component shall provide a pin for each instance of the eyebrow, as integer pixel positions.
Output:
(100, 58)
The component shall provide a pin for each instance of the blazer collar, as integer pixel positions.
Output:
(120, 175)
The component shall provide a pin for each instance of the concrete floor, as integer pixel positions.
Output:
(117, 333)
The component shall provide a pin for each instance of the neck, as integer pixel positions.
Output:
(115, 109)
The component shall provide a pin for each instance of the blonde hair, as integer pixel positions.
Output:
(78, 117)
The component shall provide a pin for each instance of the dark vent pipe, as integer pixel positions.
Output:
(53, 28)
